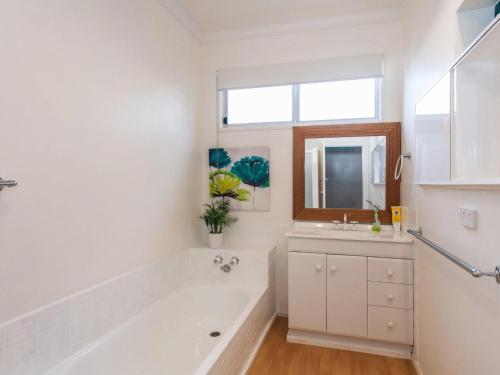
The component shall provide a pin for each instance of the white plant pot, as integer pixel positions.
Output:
(215, 240)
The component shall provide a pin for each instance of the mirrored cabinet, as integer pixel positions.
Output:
(458, 120)
(432, 133)
(476, 116)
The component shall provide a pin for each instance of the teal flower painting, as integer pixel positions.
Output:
(218, 158)
(241, 177)
(252, 171)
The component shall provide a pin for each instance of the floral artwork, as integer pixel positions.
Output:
(240, 176)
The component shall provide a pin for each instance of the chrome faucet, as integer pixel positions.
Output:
(353, 225)
(336, 224)
(226, 268)
(345, 223)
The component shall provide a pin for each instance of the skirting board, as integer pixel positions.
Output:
(349, 343)
(257, 346)
(417, 368)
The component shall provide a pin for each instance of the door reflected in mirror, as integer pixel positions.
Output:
(345, 172)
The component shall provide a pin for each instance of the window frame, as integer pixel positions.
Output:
(222, 110)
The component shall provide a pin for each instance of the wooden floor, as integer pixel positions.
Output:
(277, 356)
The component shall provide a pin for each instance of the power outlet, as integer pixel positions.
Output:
(468, 218)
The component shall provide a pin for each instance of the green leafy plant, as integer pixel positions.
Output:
(216, 216)
(224, 184)
(376, 226)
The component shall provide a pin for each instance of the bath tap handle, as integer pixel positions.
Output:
(234, 261)
(218, 259)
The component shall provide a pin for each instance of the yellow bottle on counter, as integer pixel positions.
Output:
(396, 218)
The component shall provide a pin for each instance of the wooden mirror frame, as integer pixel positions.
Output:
(392, 132)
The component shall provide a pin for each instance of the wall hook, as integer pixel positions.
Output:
(7, 183)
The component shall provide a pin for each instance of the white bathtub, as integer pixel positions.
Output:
(172, 336)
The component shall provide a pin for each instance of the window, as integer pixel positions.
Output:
(259, 105)
(341, 100)
(336, 101)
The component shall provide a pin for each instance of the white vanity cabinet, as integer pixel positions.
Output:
(346, 295)
(349, 293)
(319, 300)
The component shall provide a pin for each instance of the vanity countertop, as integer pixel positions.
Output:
(358, 235)
(323, 238)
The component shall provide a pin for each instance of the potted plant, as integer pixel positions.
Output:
(216, 218)
(376, 226)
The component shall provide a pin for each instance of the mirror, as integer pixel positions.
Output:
(339, 168)
(345, 172)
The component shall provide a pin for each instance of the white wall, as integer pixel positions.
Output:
(97, 118)
(457, 317)
(271, 226)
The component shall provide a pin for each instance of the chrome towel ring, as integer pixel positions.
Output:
(399, 165)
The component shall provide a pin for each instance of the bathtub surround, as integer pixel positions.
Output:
(39, 340)
(99, 127)
(172, 335)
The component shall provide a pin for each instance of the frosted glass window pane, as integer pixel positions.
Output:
(266, 104)
(354, 99)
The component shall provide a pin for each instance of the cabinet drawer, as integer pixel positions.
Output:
(391, 325)
(390, 270)
(390, 295)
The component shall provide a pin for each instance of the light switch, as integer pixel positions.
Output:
(468, 217)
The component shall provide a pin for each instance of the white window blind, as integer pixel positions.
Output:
(343, 68)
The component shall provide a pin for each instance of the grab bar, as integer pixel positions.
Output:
(459, 262)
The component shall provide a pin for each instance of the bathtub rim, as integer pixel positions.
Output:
(210, 360)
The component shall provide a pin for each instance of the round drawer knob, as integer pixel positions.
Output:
(390, 297)
(390, 325)
(390, 273)
(318, 267)
(333, 269)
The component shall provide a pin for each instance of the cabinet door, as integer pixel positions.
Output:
(347, 297)
(476, 125)
(432, 134)
(307, 291)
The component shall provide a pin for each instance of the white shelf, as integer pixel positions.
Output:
(479, 184)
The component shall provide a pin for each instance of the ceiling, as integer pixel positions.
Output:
(216, 17)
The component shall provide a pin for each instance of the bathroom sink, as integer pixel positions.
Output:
(364, 233)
